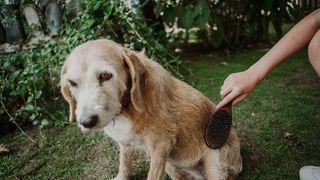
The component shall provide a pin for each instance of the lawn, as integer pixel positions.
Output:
(278, 125)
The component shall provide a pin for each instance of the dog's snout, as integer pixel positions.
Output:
(89, 122)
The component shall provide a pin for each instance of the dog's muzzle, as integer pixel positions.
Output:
(89, 122)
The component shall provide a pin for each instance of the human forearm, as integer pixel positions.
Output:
(237, 86)
(298, 37)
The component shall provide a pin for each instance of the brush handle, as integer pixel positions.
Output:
(227, 107)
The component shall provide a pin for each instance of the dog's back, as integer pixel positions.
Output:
(182, 113)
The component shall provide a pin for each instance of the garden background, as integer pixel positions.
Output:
(198, 41)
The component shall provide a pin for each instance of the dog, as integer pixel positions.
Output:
(136, 102)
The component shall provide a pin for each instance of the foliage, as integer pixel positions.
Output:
(29, 79)
(228, 21)
(277, 106)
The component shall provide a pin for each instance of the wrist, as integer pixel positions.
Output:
(256, 74)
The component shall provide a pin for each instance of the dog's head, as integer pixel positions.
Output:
(95, 79)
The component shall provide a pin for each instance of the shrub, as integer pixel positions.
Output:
(228, 22)
(29, 79)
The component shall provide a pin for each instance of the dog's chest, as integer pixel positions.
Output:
(121, 131)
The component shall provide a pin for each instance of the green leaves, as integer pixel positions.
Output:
(202, 11)
(266, 4)
(217, 37)
(29, 79)
(169, 16)
(186, 18)
(236, 20)
(194, 15)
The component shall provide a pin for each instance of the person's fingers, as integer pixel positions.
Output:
(231, 80)
(224, 91)
(225, 85)
(227, 80)
(239, 98)
(232, 95)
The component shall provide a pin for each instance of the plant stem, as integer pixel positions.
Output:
(14, 122)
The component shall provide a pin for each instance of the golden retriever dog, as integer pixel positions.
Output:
(142, 107)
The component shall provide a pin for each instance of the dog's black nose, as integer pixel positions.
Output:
(90, 122)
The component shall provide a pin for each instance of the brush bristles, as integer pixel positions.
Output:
(218, 129)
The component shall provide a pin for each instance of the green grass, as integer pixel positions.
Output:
(288, 100)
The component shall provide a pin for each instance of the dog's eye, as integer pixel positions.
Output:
(104, 76)
(73, 84)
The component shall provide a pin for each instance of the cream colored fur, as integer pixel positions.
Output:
(166, 117)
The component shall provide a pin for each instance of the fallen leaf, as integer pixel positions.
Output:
(3, 148)
(287, 135)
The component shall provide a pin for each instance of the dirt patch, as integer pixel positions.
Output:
(21, 144)
(104, 162)
(303, 78)
(98, 164)
(251, 155)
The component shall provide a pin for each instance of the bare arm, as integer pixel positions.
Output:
(238, 85)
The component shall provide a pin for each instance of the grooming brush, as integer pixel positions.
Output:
(218, 127)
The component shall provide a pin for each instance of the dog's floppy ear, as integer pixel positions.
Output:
(65, 90)
(137, 75)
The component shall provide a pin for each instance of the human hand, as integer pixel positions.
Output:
(237, 86)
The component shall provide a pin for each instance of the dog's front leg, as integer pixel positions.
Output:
(158, 154)
(125, 159)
